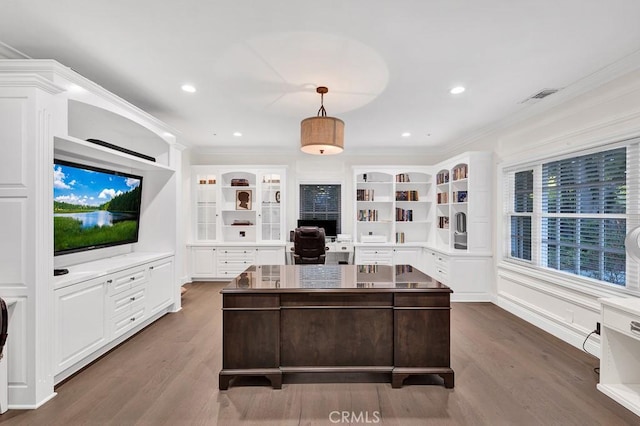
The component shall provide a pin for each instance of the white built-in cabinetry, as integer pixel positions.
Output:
(619, 366)
(48, 111)
(437, 218)
(238, 219)
(93, 313)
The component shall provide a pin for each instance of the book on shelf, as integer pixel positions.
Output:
(442, 177)
(460, 172)
(407, 195)
(443, 197)
(400, 237)
(404, 215)
(368, 215)
(365, 195)
(402, 177)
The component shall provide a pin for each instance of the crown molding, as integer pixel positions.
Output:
(586, 84)
(30, 80)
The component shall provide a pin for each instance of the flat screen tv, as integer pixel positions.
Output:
(93, 208)
(330, 226)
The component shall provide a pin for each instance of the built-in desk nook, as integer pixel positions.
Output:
(281, 319)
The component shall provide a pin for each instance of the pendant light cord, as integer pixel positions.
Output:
(322, 112)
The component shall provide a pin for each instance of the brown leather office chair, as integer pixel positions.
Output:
(309, 245)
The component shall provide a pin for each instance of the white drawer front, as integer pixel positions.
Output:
(238, 254)
(127, 301)
(366, 256)
(232, 269)
(624, 322)
(126, 322)
(126, 280)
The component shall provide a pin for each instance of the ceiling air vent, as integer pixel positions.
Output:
(540, 95)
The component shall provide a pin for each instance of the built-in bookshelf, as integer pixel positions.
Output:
(237, 205)
(393, 205)
(462, 204)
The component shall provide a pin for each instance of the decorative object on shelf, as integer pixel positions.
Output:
(239, 182)
(277, 196)
(322, 135)
(460, 196)
(243, 199)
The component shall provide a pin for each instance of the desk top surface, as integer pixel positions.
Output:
(296, 278)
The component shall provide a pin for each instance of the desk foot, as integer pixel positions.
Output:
(448, 379)
(399, 374)
(273, 375)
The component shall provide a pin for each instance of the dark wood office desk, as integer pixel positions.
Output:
(335, 318)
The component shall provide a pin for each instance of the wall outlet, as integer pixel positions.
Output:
(598, 328)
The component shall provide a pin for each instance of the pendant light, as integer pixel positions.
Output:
(322, 135)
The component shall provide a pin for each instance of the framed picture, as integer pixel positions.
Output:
(243, 199)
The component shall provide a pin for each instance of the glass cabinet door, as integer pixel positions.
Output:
(206, 196)
(271, 207)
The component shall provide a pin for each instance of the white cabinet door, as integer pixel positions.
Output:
(408, 256)
(80, 321)
(270, 256)
(429, 261)
(203, 262)
(161, 285)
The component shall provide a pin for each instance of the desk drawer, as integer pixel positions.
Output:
(624, 322)
(338, 299)
(435, 300)
(253, 301)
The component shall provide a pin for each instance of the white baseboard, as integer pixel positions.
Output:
(471, 297)
(549, 324)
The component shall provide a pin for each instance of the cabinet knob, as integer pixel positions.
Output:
(133, 319)
(150, 267)
(109, 281)
(132, 298)
(132, 278)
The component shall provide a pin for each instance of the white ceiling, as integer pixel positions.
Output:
(389, 65)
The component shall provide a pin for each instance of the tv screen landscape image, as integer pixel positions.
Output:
(93, 208)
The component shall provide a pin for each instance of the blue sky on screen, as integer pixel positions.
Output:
(87, 187)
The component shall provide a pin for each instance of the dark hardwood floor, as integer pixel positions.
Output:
(507, 373)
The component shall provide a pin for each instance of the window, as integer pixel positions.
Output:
(521, 216)
(571, 214)
(320, 202)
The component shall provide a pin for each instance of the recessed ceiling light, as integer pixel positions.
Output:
(188, 88)
(406, 134)
(237, 134)
(457, 90)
